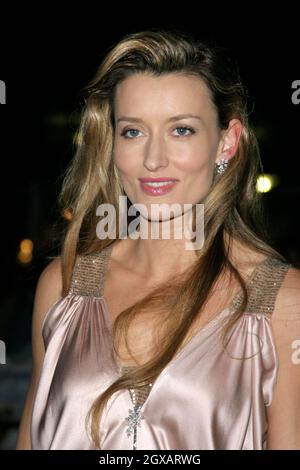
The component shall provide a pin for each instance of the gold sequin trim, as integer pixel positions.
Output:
(263, 286)
(89, 273)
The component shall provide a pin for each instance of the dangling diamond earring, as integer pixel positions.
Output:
(221, 165)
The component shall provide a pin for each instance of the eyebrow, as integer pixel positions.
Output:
(173, 118)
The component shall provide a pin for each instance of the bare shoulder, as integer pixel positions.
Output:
(48, 291)
(52, 272)
(49, 288)
(284, 410)
(288, 298)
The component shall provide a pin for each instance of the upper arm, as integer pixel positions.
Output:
(284, 411)
(48, 291)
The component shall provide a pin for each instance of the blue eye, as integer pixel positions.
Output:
(125, 131)
(186, 129)
(133, 133)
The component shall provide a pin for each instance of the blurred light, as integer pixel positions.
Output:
(63, 120)
(67, 214)
(26, 246)
(24, 258)
(266, 182)
(25, 252)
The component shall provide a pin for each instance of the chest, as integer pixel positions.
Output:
(120, 294)
(147, 329)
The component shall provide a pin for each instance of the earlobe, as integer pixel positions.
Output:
(229, 145)
(221, 165)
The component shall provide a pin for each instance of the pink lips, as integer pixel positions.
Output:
(159, 190)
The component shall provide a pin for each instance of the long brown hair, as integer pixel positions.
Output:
(232, 206)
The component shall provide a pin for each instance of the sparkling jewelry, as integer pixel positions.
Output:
(221, 165)
(134, 418)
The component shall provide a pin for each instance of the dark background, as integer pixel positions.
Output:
(46, 57)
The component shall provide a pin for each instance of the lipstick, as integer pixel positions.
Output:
(157, 186)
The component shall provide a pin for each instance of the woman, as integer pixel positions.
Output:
(143, 342)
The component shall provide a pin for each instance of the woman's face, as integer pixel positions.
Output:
(166, 128)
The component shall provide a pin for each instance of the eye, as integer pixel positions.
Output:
(133, 133)
(132, 136)
(184, 129)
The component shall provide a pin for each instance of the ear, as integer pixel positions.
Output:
(230, 140)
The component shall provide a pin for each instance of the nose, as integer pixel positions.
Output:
(155, 156)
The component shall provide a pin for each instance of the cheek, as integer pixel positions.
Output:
(125, 162)
(193, 160)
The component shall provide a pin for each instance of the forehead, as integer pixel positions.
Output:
(144, 95)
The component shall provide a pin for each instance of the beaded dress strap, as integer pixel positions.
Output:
(263, 286)
(138, 394)
(89, 273)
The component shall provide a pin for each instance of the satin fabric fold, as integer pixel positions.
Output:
(205, 398)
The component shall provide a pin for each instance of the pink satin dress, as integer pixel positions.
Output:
(205, 398)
